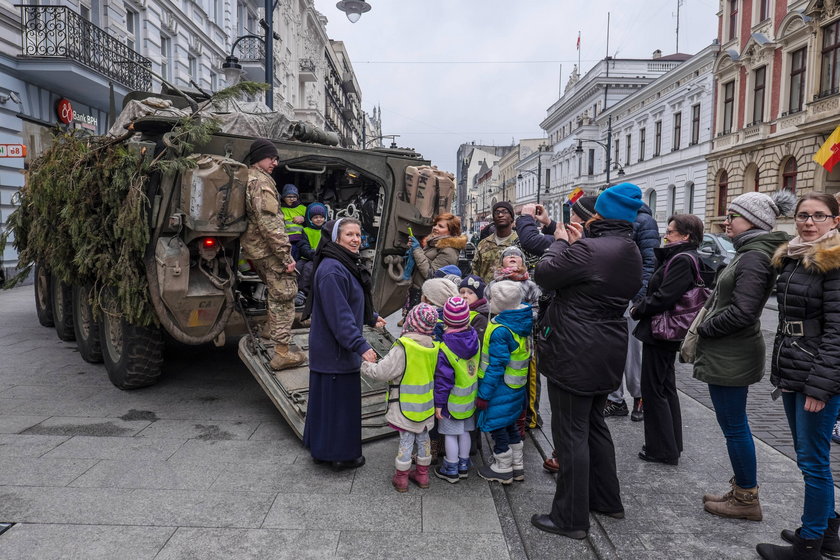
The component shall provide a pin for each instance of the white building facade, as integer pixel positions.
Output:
(660, 138)
(574, 117)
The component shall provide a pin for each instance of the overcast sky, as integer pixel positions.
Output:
(447, 72)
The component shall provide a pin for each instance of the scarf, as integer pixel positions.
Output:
(797, 248)
(353, 263)
(514, 274)
(739, 240)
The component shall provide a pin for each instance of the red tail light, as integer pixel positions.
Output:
(209, 243)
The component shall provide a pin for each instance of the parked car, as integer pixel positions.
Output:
(716, 251)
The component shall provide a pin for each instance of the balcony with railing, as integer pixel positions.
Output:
(308, 70)
(251, 54)
(51, 36)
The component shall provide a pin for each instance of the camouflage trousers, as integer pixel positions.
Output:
(281, 288)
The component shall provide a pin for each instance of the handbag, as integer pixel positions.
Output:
(673, 325)
(688, 348)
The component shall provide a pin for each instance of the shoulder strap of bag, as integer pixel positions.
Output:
(696, 265)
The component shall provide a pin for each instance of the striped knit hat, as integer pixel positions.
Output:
(421, 319)
(456, 312)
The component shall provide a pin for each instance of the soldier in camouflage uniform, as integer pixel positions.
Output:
(265, 242)
(488, 254)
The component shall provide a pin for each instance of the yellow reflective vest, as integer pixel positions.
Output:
(461, 402)
(313, 235)
(516, 370)
(417, 387)
(289, 215)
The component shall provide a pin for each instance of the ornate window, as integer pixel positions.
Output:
(723, 192)
(677, 131)
(695, 124)
(657, 138)
(641, 144)
(797, 80)
(789, 175)
(759, 79)
(830, 73)
(728, 105)
(733, 19)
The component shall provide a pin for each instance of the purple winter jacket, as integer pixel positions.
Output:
(463, 344)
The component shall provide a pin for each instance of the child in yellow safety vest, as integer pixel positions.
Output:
(456, 385)
(409, 368)
(472, 289)
(316, 215)
(293, 215)
(503, 374)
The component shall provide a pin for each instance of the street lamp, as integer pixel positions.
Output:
(607, 147)
(353, 8)
(233, 70)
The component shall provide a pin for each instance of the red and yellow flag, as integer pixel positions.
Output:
(575, 195)
(829, 154)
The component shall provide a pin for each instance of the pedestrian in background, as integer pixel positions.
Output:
(266, 243)
(594, 277)
(456, 386)
(342, 304)
(806, 368)
(677, 271)
(646, 236)
(409, 369)
(730, 347)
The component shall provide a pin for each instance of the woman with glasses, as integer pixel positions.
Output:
(677, 271)
(730, 349)
(806, 368)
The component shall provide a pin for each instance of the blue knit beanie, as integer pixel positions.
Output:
(289, 190)
(620, 202)
(446, 270)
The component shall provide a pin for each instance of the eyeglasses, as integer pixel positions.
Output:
(731, 216)
(803, 217)
(501, 211)
(670, 232)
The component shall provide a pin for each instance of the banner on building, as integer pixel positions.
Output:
(829, 154)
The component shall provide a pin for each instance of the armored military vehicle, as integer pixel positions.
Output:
(201, 290)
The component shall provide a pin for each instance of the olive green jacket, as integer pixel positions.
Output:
(731, 349)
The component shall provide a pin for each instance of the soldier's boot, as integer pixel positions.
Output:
(284, 358)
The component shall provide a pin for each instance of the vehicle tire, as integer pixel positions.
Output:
(85, 326)
(133, 355)
(61, 297)
(43, 299)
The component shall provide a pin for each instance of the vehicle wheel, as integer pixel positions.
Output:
(43, 302)
(85, 326)
(133, 355)
(61, 297)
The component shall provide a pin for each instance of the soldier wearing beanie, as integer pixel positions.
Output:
(409, 369)
(489, 250)
(730, 352)
(266, 244)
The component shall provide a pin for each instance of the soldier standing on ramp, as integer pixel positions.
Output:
(265, 242)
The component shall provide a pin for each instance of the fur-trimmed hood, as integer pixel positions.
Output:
(456, 243)
(823, 257)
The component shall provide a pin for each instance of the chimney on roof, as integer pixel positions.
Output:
(657, 54)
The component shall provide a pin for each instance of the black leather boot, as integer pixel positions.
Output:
(831, 541)
(802, 549)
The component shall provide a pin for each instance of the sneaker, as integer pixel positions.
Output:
(638, 413)
(835, 433)
(615, 409)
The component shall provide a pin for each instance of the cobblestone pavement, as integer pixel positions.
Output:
(767, 417)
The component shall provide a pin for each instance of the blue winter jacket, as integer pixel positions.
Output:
(505, 404)
(646, 236)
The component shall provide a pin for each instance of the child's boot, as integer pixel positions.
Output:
(447, 471)
(464, 467)
(501, 470)
(420, 474)
(517, 463)
(400, 480)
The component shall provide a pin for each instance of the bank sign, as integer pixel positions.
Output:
(66, 115)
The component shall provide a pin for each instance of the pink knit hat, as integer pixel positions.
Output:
(420, 319)
(456, 312)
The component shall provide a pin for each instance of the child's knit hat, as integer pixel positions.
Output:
(421, 319)
(504, 295)
(438, 290)
(456, 312)
(474, 283)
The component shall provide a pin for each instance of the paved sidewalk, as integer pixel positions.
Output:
(202, 466)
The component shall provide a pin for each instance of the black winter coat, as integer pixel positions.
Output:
(808, 290)
(663, 292)
(582, 339)
(531, 239)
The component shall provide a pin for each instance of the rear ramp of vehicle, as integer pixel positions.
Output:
(289, 389)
